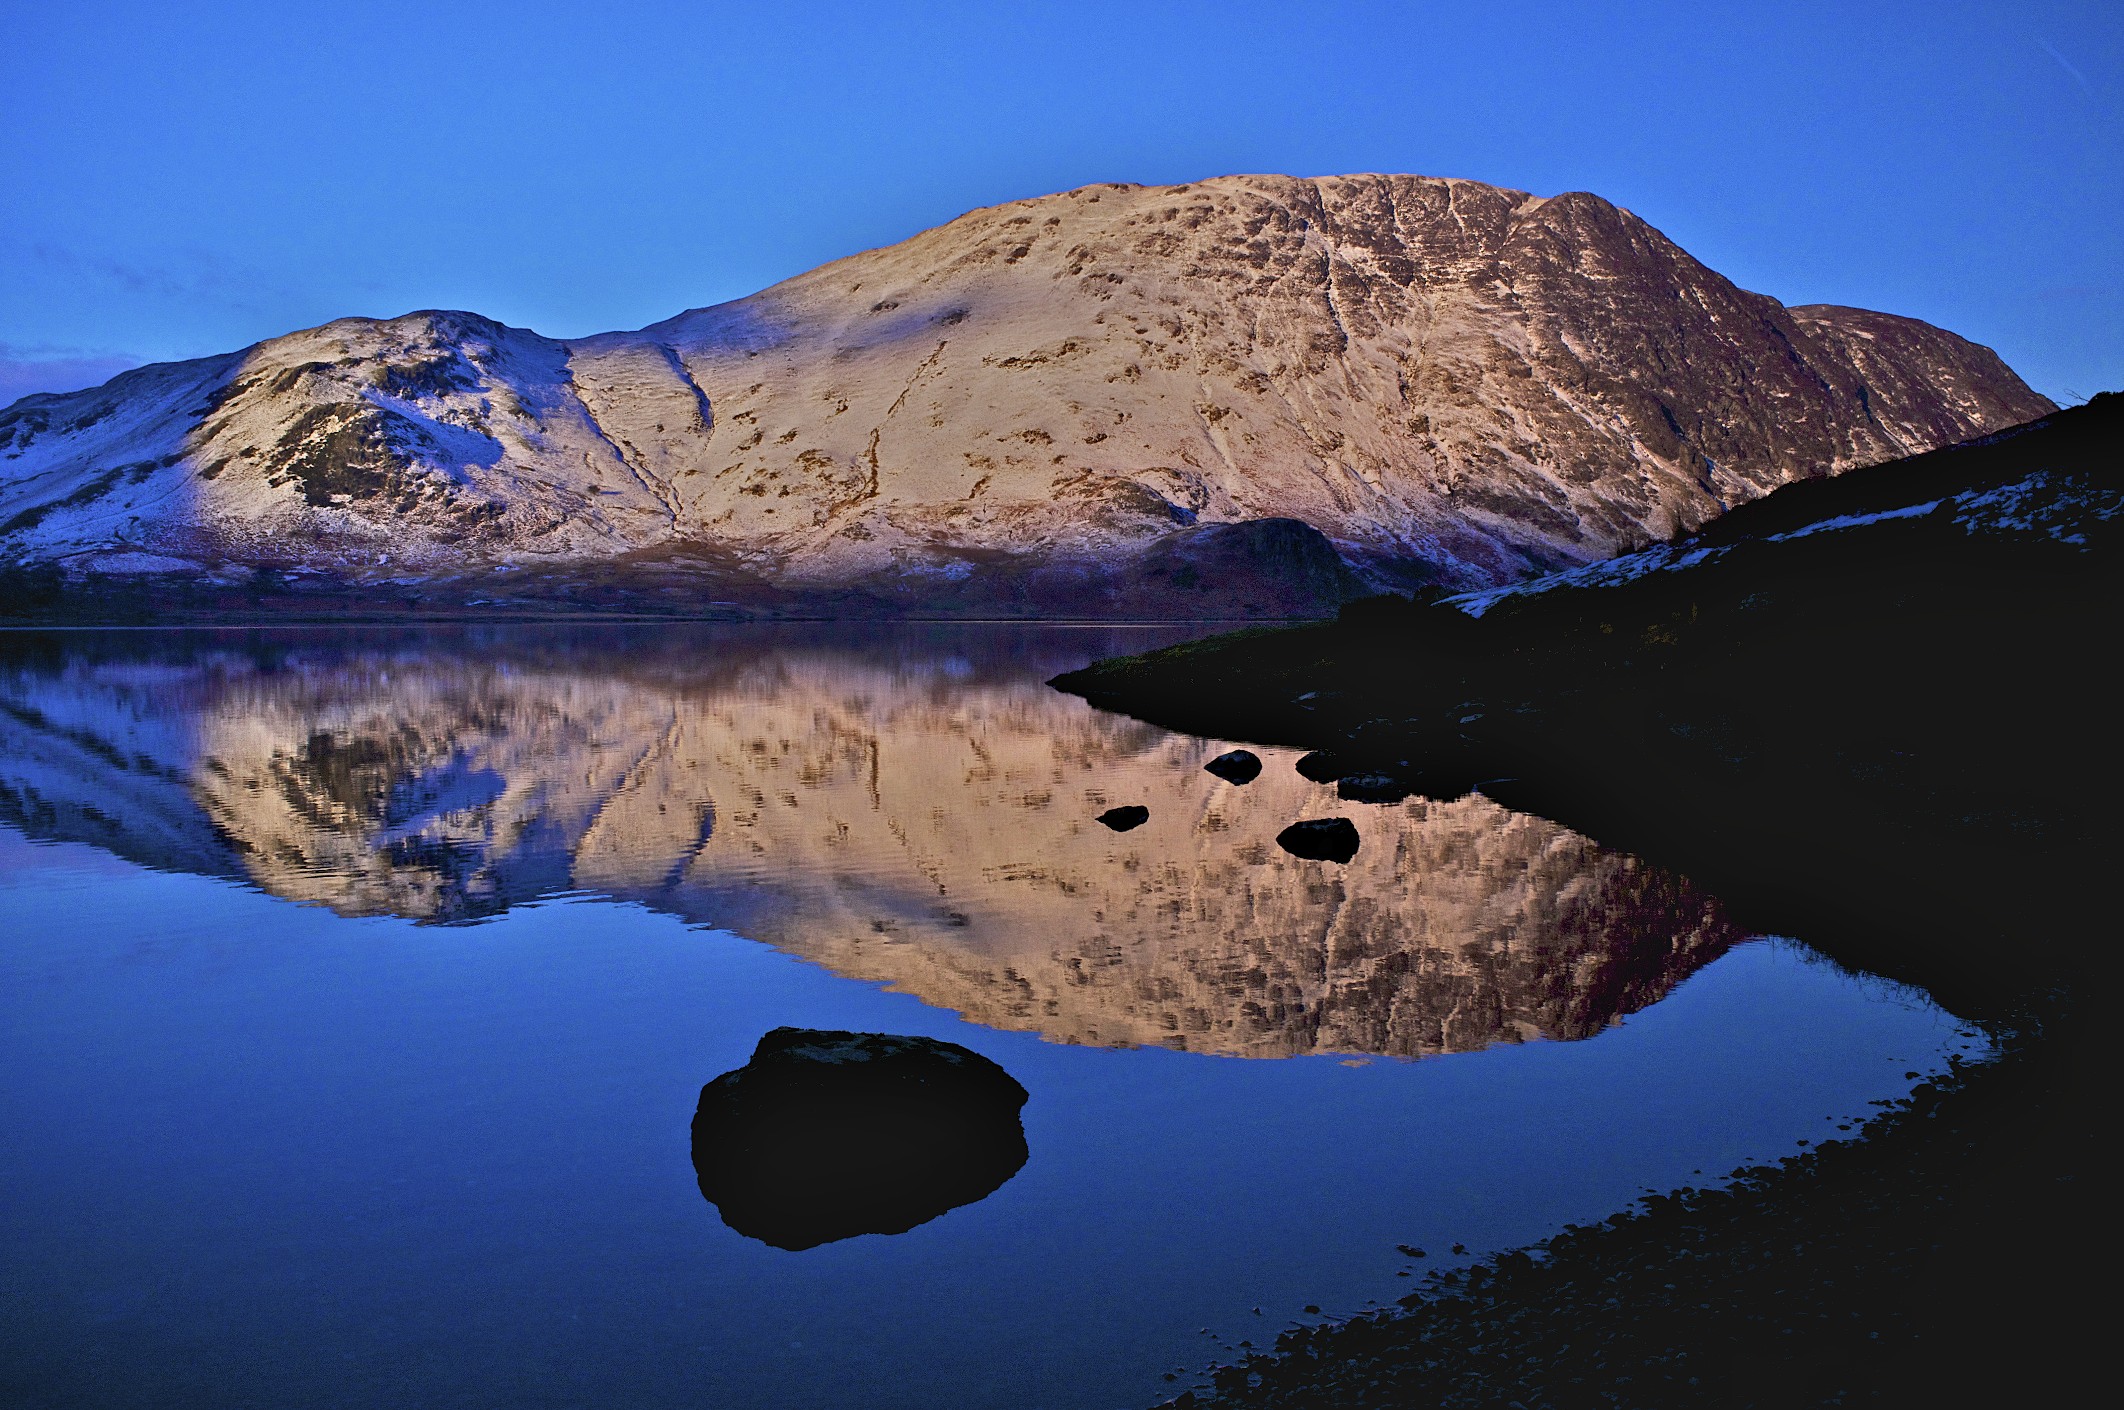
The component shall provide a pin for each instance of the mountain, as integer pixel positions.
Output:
(919, 814)
(1251, 393)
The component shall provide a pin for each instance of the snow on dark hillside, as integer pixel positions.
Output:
(1984, 486)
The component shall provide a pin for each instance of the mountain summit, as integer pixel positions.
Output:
(1115, 397)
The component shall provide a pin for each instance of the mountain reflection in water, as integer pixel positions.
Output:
(912, 806)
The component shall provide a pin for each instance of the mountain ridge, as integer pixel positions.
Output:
(1445, 381)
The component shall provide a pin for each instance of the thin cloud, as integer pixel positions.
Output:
(2066, 64)
(139, 279)
(27, 370)
(194, 275)
(47, 352)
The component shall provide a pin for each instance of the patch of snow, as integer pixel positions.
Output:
(2038, 504)
(957, 571)
(457, 448)
(124, 561)
(1852, 521)
(2033, 505)
(1609, 572)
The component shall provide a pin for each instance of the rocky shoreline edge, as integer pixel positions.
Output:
(1923, 1260)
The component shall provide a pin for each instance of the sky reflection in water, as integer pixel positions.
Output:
(426, 1136)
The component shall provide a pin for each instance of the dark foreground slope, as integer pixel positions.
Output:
(1869, 711)
(1873, 713)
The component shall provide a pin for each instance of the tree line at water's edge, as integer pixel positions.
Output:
(1869, 712)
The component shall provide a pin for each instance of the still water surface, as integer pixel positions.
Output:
(356, 992)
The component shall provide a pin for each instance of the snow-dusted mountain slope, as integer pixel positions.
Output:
(1451, 381)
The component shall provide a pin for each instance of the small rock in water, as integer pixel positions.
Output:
(1320, 839)
(1125, 817)
(1320, 766)
(1237, 766)
(1372, 788)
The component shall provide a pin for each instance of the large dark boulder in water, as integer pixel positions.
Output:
(825, 1135)
(1128, 815)
(1320, 839)
(1236, 766)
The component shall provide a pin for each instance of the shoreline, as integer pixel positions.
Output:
(1865, 1271)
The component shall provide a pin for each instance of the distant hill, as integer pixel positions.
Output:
(1255, 394)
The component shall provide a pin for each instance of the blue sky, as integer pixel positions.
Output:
(188, 179)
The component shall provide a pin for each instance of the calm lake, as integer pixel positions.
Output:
(357, 988)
